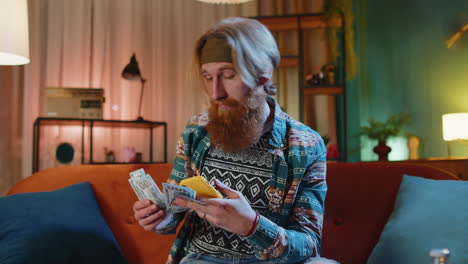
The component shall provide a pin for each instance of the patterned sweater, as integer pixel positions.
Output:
(291, 230)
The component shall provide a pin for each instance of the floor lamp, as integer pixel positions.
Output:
(14, 37)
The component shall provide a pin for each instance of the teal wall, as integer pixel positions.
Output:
(404, 65)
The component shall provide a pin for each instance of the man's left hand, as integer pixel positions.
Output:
(232, 214)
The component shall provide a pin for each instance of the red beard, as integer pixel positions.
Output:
(236, 128)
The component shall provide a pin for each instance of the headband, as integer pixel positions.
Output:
(216, 49)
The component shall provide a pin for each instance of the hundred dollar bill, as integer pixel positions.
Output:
(137, 191)
(172, 191)
(137, 173)
(155, 192)
(134, 176)
(145, 188)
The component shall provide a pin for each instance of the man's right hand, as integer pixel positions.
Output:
(148, 214)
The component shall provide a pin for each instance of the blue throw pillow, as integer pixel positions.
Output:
(62, 226)
(428, 214)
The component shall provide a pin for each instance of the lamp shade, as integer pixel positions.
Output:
(132, 71)
(14, 35)
(455, 126)
(225, 1)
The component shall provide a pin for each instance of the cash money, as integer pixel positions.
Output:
(172, 191)
(145, 188)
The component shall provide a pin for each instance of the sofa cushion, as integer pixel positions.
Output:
(428, 214)
(62, 226)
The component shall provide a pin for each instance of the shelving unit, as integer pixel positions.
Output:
(294, 95)
(323, 90)
(84, 138)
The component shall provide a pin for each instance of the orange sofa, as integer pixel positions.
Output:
(359, 201)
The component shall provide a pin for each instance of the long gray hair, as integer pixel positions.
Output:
(254, 50)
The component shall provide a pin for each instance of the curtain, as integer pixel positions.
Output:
(87, 43)
(11, 102)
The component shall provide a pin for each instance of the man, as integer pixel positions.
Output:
(269, 167)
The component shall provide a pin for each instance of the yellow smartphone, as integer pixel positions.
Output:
(201, 186)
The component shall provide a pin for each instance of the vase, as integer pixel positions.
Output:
(413, 145)
(382, 150)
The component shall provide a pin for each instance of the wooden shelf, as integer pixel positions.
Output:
(289, 61)
(314, 22)
(284, 23)
(323, 90)
(298, 38)
(280, 23)
(51, 121)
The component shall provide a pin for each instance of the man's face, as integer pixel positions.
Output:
(235, 111)
(223, 83)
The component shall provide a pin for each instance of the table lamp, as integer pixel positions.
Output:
(14, 35)
(132, 72)
(455, 128)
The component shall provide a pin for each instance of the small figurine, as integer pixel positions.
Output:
(321, 78)
(317, 79)
(138, 157)
(128, 155)
(331, 78)
(329, 70)
(309, 80)
(413, 145)
(325, 77)
(110, 157)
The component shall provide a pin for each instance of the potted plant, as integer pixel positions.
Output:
(381, 131)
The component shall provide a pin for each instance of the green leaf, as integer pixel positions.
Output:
(384, 130)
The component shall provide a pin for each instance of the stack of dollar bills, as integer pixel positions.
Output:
(145, 188)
